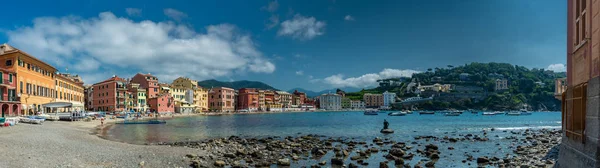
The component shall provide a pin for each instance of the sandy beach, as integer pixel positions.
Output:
(74, 144)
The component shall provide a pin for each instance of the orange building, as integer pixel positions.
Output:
(248, 99)
(70, 89)
(221, 99)
(36, 84)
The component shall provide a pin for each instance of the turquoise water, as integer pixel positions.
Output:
(349, 125)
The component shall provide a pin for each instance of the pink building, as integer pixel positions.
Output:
(162, 103)
(247, 99)
(221, 99)
(148, 82)
(110, 95)
(11, 106)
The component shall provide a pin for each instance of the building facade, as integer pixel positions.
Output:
(389, 99)
(201, 99)
(163, 103)
(140, 102)
(35, 78)
(373, 100)
(247, 99)
(357, 104)
(89, 100)
(221, 99)
(110, 95)
(346, 103)
(148, 82)
(69, 89)
(580, 141)
(285, 98)
(9, 103)
(298, 98)
(330, 102)
(501, 84)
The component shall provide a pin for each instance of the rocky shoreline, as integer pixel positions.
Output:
(530, 148)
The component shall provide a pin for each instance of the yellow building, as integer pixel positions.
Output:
(185, 83)
(201, 99)
(69, 89)
(36, 84)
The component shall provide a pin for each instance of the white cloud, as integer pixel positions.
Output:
(175, 14)
(272, 7)
(273, 21)
(349, 18)
(366, 80)
(302, 28)
(557, 67)
(300, 73)
(133, 11)
(165, 49)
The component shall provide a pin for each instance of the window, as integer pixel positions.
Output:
(21, 87)
(10, 76)
(574, 112)
(580, 22)
(9, 63)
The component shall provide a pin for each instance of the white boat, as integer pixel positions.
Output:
(489, 113)
(371, 112)
(514, 113)
(452, 114)
(32, 120)
(50, 117)
(397, 114)
(12, 120)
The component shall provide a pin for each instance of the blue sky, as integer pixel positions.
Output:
(312, 44)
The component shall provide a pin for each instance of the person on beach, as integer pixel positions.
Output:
(102, 121)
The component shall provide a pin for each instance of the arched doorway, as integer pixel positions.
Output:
(15, 109)
(5, 109)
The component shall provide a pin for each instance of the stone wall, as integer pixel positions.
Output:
(577, 154)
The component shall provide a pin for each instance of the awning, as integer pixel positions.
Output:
(58, 104)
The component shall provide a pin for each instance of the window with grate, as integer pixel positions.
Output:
(574, 111)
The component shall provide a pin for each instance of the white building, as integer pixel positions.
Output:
(388, 99)
(357, 104)
(330, 101)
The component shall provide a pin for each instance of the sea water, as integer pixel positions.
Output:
(350, 125)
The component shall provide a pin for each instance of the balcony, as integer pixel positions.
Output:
(6, 83)
(121, 96)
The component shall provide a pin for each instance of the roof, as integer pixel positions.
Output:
(114, 78)
(15, 50)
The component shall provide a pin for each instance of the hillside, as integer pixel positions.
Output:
(235, 84)
(533, 87)
(311, 93)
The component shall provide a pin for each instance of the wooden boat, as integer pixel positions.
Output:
(426, 112)
(397, 114)
(452, 114)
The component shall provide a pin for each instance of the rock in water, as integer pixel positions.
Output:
(283, 162)
(383, 165)
(387, 131)
(337, 161)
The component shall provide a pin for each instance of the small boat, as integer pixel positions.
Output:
(12, 120)
(32, 120)
(474, 112)
(426, 112)
(489, 113)
(409, 112)
(514, 113)
(452, 114)
(397, 114)
(371, 112)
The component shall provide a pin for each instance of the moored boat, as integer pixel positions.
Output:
(489, 113)
(514, 113)
(397, 114)
(526, 113)
(426, 112)
(452, 114)
(371, 112)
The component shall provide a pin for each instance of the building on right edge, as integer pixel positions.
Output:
(581, 101)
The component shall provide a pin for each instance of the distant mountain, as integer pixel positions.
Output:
(311, 93)
(235, 84)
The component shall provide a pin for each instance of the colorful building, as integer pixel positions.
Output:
(285, 99)
(389, 99)
(346, 103)
(221, 99)
(261, 101)
(148, 82)
(184, 99)
(110, 95)
(201, 99)
(139, 99)
(247, 99)
(35, 78)
(298, 98)
(89, 100)
(69, 89)
(357, 104)
(373, 100)
(163, 103)
(9, 103)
